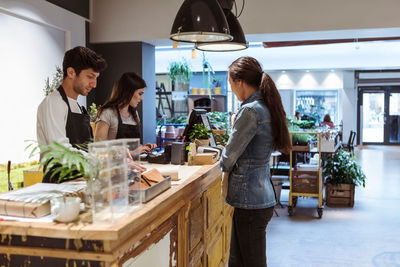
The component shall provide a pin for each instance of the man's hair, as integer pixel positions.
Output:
(81, 58)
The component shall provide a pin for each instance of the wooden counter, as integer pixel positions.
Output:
(187, 225)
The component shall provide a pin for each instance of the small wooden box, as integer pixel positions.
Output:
(305, 185)
(203, 159)
(33, 176)
(340, 195)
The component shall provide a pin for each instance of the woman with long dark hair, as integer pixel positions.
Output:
(117, 117)
(259, 128)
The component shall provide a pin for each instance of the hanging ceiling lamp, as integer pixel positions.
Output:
(238, 42)
(199, 21)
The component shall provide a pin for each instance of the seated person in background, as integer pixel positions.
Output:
(297, 116)
(118, 117)
(327, 121)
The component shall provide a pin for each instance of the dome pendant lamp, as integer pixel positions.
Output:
(239, 40)
(199, 21)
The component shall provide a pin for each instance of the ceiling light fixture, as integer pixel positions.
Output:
(199, 21)
(238, 42)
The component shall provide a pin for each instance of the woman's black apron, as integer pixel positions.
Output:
(78, 131)
(127, 130)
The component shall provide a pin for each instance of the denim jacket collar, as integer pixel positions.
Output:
(254, 96)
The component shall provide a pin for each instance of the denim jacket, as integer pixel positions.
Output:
(246, 156)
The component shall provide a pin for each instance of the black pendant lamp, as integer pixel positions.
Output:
(238, 42)
(199, 21)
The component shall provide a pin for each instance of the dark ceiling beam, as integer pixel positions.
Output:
(330, 41)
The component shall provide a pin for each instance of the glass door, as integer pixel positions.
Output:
(372, 117)
(379, 115)
(394, 118)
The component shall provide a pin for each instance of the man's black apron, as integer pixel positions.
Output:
(127, 130)
(78, 131)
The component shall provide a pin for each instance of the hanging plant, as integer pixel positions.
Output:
(179, 71)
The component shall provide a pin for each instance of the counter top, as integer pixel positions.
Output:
(193, 180)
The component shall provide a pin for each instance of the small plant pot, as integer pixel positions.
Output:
(209, 91)
(195, 91)
(202, 91)
(217, 90)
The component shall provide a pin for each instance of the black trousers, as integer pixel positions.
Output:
(248, 238)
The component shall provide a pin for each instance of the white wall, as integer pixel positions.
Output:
(34, 36)
(135, 20)
(349, 98)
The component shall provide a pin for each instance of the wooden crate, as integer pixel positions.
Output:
(308, 184)
(340, 195)
(301, 148)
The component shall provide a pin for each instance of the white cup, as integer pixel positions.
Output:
(65, 210)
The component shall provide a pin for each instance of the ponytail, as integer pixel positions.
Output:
(273, 101)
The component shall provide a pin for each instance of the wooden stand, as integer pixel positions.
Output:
(304, 183)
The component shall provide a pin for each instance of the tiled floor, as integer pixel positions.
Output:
(366, 235)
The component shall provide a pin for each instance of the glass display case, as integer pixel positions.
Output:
(114, 180)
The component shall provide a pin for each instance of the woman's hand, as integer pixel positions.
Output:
(136, 166)
(147, 148)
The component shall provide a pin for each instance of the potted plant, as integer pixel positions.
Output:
(217, 85)
(342, 174)
(200, 135)
(68, 164)
(92, 110)
(180, 73)
(220, 122)
(55, 81)
(221, 139)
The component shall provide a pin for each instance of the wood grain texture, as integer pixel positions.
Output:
(191, 212)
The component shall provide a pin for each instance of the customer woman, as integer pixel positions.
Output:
(118, 117)
(327, 121)
(259, 128)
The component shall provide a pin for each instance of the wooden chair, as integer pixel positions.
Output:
(350, 143)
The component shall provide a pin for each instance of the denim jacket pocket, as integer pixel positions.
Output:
(237, 188)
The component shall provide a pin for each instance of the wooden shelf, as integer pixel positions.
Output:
(217, 102)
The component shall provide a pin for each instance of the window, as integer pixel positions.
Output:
(319, 101)
(232, 101)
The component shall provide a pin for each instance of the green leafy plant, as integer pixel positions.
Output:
(216, 81)
(342, 168)
(311, 116)
(68, 164)
(173, 120)
(222, 139)
(179, 71)
(56, 81)
(221, 119)
(199, 131)
(92, 112)
(301, 139)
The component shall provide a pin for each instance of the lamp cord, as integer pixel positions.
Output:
(240, 10)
